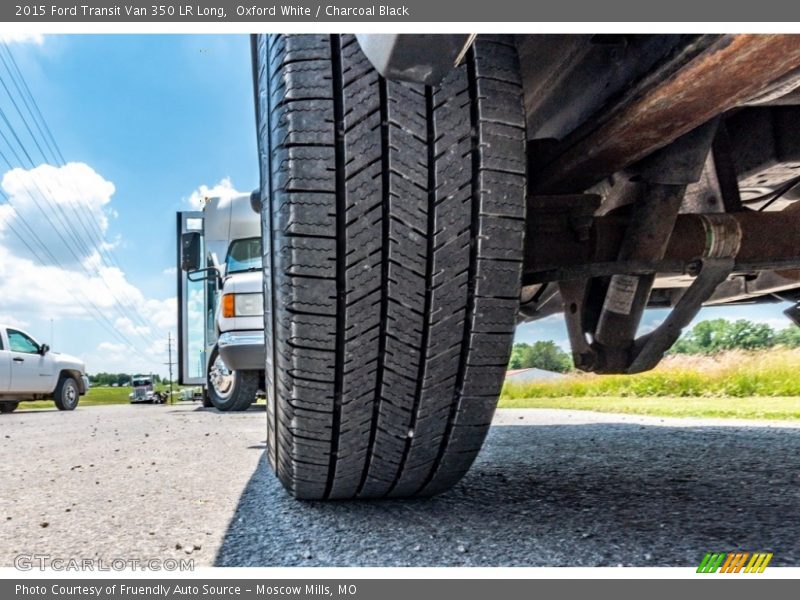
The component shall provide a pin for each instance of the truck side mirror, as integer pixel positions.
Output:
(190, 251)
(44, 349)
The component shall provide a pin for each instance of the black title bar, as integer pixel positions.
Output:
(405, 11)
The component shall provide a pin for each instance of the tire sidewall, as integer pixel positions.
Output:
(8, 407)
(68, 394)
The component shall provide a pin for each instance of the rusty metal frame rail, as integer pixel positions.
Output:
(595, 254)
(726, 72)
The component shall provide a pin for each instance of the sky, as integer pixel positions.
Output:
(147, 125)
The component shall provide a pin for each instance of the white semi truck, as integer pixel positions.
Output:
(220, 302)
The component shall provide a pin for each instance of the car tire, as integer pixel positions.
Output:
(67, 393)
(393, 219)
(8, 407)
(230, 390)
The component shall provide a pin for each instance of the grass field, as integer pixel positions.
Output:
(103, 396)
(752, 385)
(746, 385)
(99, 396)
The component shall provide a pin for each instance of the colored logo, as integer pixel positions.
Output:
(734, 562)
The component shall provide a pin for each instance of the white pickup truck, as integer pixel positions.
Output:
(29, 371)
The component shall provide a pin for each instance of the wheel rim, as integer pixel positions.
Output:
(221, 378)
(70, 394)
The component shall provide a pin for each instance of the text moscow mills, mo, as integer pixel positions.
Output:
(190, 590)
(219, 12)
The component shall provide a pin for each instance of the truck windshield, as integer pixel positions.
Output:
(243, 255)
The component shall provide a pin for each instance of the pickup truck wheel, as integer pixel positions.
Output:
(67, 394)
(8, 407)
(230, 390)
(393, 218)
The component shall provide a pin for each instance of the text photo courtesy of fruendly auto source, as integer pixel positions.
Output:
(399, 300)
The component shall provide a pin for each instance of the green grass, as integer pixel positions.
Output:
(99, 396)
(774, 408)
(748, 385)
(733, 374)
(104, 396)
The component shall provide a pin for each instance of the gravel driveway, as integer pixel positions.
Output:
(551, 487)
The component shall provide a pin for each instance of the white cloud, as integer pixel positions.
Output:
(161, 312)
(111, 357)
(112, 347)
(13, 321)
(649, 327)
(17, 36)
(67, 208)
(128, 327)
(63, 205)
(115, 357)
(170, 271)
(222, 189)
(554, 318)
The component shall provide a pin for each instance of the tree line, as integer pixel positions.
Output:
(717, 335)
(707, 337)
(541, 355)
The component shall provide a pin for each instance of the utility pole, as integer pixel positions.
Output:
(169, 363)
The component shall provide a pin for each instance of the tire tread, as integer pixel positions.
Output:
(394, 241)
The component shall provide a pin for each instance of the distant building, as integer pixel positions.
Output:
(532, 374)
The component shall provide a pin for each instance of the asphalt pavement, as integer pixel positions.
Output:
(550, 488)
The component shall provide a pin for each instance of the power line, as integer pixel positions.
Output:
(22, 95)
(95, 235)
(132, 312)
(33, 100)
(33, 236)
(103, 319)
(91, 227)
(55, 228)
(77, 247)
(63, 270)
